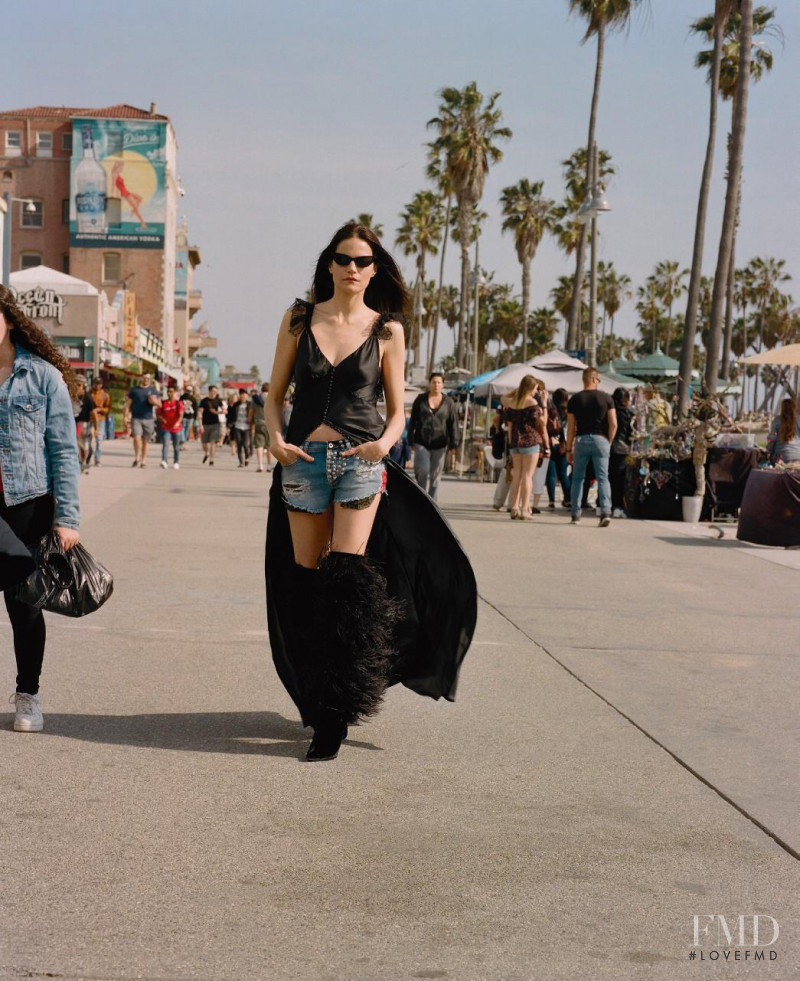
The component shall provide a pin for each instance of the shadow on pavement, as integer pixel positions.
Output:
(700, 542)
(253, 733)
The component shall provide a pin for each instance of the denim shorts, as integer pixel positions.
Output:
(525, 450)
(331, 478)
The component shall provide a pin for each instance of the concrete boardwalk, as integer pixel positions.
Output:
(622, 756)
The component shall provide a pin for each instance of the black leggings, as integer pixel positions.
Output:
(242, 439)
(29, 522)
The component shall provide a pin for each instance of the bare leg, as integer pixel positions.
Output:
(137, 447)
(526, 479)
(352, 527)
(516, 481)
(311, 535)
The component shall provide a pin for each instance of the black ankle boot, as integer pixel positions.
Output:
(329, 733)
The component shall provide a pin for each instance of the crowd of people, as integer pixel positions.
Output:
(173, 418)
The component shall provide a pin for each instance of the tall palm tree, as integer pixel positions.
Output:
(669, 280)
(613, 289)
(731, 196)
(649, 308)
(419, 234)
(469, 129)
(602, 17)
(528, 215)
(764, 279)
(437, 172)
(722, 9)
(561, 297)
(760, 63)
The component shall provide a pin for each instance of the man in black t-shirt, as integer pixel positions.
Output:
(209, 423)
(591, 426)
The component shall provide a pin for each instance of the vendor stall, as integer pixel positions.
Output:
(770, 512)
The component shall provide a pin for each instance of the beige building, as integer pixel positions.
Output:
(117, 231)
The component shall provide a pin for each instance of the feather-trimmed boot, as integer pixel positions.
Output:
(357, 617)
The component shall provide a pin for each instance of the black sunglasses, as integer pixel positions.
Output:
(361, 261)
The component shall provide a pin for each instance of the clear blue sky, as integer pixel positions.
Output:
(293, 116)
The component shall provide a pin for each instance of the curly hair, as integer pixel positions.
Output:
(25, 333)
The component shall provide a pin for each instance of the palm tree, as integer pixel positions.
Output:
(722, 9)
(469, 129)
(668, 277)
(602, 16)
(365, 218)
(760, 63)
(764, 277)
(561, 297)
(438, 174)
(542, 326)
(528, 215)
(613, 289)
(649, 308)
(731, 196)
(419, 234)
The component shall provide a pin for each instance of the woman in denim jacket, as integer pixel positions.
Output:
(38, 475)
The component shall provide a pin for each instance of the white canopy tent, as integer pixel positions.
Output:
(553, 376)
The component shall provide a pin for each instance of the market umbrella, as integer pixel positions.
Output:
(789, 354)
(554, 377)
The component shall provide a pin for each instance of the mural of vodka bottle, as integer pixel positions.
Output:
(90, 188)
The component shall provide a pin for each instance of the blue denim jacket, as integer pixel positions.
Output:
(38, 446)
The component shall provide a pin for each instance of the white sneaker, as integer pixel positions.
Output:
(29, 716)
(163, 464)
(176, 466)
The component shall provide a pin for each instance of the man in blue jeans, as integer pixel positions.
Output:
(591, 427)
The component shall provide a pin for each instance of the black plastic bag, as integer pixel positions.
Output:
(71, 583)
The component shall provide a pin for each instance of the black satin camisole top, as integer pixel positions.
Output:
(343, 396)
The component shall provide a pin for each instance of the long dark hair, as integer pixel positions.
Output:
(787, 426)
(386, 292)
(33, 339)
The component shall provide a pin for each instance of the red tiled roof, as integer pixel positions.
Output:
(121, 111)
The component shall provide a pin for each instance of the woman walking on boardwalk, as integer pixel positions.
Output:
(39, 473)
(366, 585)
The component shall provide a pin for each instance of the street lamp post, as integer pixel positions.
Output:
(589, 211)
(29, 207)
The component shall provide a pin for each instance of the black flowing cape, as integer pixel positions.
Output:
(426, 569)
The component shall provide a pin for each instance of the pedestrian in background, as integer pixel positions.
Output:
(38, 476)
(170, 419)
(432, 430)
(557, 469)
(258, 425)
(591, 428)
(620, 448)
(140, 422)
(526, 435)
(239, 413)
(540, 473)
(100, 414)
(783, 440)
(83, 408)
(189, 413)
(209, 423)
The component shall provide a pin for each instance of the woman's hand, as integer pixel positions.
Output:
(373, 450)
(69, 537)
(287, 453)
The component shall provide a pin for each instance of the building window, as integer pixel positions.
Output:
(29, 259)
(44, 144)
(65, 263)
(112, 267)
(65, 211)
(66, 142)
(8, 177)
(13, 143)
(32, 219)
